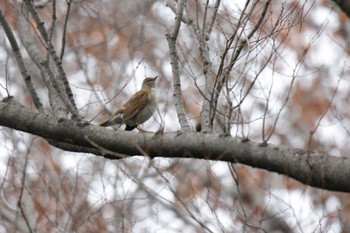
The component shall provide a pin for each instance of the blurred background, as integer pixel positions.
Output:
(289, 85)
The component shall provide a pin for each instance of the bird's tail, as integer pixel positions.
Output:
(116, 119)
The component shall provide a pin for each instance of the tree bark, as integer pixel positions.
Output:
(311, 168)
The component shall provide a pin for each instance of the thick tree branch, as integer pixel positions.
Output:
(315, 169)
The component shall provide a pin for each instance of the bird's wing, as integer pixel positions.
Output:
(135, 104)
(114, 119)
(119, 111)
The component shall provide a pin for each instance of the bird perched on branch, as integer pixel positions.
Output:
(138, 109)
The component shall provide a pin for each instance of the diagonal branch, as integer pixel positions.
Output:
(62, 76)
(19, 59)
(56, 95)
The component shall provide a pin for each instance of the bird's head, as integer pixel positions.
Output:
(149, 82)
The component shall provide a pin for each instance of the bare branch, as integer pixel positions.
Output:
(56, 84)
(56, 102)
(223, 72)
(69, 4)
(171, 39)
(28, 218)
(20, 63)
(213, 18)
(53, 22)
(202, 39)
(62, 76)
(173, 6)
(311, 168)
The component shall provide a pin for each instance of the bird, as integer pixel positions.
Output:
(137, 109)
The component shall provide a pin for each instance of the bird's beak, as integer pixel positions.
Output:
(155, 78)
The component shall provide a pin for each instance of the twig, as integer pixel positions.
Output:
(6, 87)
(54, 18)
(20, 199)
(69, 4)
(223, 73)
(104, 150)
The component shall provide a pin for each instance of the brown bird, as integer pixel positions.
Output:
(138, 109)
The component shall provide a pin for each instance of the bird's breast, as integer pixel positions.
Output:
(148, 110)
